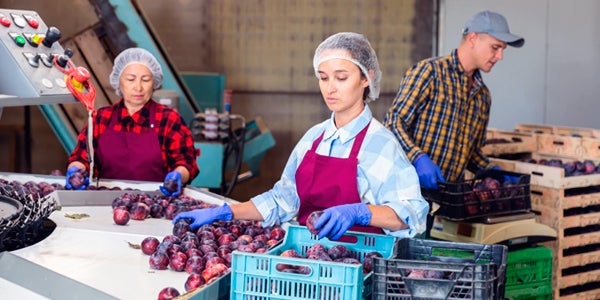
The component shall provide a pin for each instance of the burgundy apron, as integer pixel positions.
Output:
(324, 181)
(130, 156)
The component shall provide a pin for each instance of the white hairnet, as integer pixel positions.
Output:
(361, 53)
(138, 56)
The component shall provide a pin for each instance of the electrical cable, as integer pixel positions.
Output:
(235, 149)
(77, 81)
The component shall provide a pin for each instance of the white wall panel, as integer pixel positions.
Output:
(553, 79)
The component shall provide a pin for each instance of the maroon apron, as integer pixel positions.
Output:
(324, 181)
(130, 156)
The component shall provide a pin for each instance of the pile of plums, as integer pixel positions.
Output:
(572, 168)
(205, 254)
(490, 195)
(42, 188)
(142, 205)
(336, 253)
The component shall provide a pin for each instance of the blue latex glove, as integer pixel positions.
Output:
(72, 172)
(335, 221)
(429, 173)
(204, 216)
(172, 180)
(506, 177)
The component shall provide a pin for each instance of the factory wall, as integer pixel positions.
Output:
(264, 48)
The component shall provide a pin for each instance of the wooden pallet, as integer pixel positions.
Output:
(553, 206)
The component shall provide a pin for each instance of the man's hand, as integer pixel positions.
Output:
(429, 173)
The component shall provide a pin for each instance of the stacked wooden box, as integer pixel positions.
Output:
(569, 204)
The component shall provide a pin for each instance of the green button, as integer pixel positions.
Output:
(20, 40)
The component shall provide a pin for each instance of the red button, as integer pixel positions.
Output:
(5, 21)
(33, 23)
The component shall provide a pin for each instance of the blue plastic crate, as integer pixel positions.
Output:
(255, 276)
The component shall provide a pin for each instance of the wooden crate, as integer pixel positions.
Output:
(547, 176)
(559, 130)
(576, 259)
(533, 128)
(516, 142)
(560, 145)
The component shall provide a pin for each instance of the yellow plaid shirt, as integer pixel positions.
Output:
(435, 113)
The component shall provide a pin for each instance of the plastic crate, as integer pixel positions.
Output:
(255, 276)
(445, 270)
(528, 266)
(536, 291)
(467, 200)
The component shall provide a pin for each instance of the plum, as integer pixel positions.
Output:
(290, 253)
(416, 273)
(570, 168)
(338, 251)
(168, 293)
(213, 261)
(121, 216)
(205, 235)
(226, 239)
(194, 281)
(181, 227)
(311, 220)
(245, 237)
(277, 233)
(156, 211)
(494, 186)
(77, 179)
(171, 238)
(213, 272)
(368, 261)
(235, 229)
(315, 249)
(194, 264)
(139, 211)
(171, 185)
(149, 245)
(177, 261)
(174, 248)
(588, 167)
(193, 252)
(159, 260)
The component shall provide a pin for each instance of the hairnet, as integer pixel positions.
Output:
(131, 56)
(360, 53)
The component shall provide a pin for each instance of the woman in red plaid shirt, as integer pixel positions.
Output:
(137, 139)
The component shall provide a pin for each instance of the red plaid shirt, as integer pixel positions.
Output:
(174, 136)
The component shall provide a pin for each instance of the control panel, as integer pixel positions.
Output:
(28, 48)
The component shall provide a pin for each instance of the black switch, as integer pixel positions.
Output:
(52, 35)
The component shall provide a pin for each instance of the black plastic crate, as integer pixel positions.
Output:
(441, 270)
(488, 194)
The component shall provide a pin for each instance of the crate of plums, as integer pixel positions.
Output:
(429, 269)
(305, 267)
(491, 192)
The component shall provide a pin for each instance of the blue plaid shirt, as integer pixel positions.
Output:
(385, 175)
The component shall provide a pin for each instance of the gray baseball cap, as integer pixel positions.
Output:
(495, 25)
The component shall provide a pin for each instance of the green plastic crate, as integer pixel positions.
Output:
(528, 266)
(536, 291)
(254, 275)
